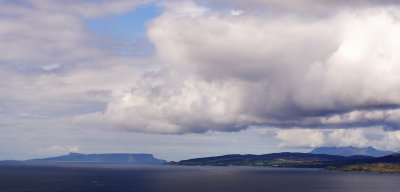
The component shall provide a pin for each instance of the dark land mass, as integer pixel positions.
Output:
(350, 151)
(373, 167)
(386, 164)
(306, 160)
(117, 158)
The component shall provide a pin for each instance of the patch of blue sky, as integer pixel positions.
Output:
(128, 29)
(205, 4)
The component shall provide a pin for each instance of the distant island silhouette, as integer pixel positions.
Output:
(127, 158)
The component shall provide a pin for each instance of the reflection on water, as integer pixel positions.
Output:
(137, 178)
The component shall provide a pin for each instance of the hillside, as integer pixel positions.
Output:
(373, 167)
(277, 160)
(386, 164)
(350, 151)
(103, 158)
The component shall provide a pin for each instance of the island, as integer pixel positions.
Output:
(285, 159)
(110, 158)
(360, 163)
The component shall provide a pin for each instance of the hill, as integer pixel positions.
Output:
(125, 158)
(386, 164)
(350, 151)
(277, 160)
(373, 167)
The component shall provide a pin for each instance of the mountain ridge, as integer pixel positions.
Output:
(350, 151)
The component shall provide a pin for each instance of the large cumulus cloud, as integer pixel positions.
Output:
(227, 70)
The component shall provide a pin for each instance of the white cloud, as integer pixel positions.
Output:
(214, 70)
(300, 138)
(157, 105)
(360, 137)
(344, 138)
(236, 12)
(57, 150)
(51, 67)
(290, 64)
(222, 72)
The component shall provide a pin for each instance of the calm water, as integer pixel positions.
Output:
(187, 179)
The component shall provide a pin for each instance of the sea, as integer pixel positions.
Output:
(170, 178)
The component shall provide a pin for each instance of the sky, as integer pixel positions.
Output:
(193, 78)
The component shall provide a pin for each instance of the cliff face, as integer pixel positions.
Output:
(104, 158)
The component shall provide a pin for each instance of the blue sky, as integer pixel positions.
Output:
(129, 28)
(127, 25)
(183, 79)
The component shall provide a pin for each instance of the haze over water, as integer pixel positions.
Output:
(184, 179)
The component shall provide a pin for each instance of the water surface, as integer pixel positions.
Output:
(137, 178)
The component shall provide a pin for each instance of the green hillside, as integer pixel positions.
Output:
(374, 167)
(308, 160)
(386, 164)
